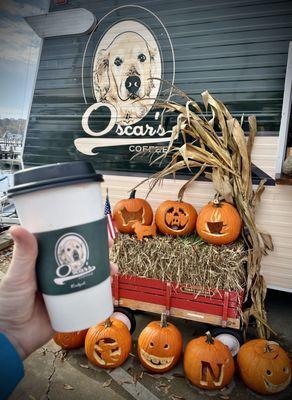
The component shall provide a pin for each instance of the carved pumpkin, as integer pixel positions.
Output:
(218, 223)
(108, 344)
(70, 340)
(264, 366)
(208, 363)
(159, 346)
(128, 211)
(176, 218)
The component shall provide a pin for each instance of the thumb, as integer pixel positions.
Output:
(22, 267)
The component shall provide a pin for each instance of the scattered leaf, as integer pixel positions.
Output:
(178, 375)
(84, 366)
(66, 386)
(107, 383)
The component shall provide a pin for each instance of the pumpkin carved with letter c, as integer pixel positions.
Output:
(108, 344)
(176, 218)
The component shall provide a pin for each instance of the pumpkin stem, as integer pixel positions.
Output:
(163, 322)
(216, 200)
(108, 323)
(133, 194)
(268, 349)
(209, 338)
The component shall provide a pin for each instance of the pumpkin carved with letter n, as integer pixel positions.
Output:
(208, 363)
(176, 218)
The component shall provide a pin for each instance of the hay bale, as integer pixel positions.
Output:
(183, 260)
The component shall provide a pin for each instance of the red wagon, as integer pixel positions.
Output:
(218, 307)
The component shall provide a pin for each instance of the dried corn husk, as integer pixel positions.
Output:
(229, 155)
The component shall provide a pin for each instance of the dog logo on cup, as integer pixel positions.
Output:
(71, 253)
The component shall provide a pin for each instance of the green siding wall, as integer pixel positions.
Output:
(236, 49)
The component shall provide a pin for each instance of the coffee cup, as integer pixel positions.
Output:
(61, 204)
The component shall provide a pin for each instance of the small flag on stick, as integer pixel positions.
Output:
(111, 229)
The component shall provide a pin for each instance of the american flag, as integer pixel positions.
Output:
(111, 229)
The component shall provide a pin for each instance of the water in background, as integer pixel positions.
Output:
(6, 181)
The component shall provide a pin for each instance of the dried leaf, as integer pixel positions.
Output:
(222, 184)
(107, 383)
(68, 387)
(252, 122)
(84, 366)
(178, 375)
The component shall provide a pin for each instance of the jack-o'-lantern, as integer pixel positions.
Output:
(70, 340)
(208, 363)
(108, 344)
(176, 218)
(218, 223)
(128, 211)
(264, 366)
(159, 346)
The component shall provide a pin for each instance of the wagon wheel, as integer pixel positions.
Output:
(230, 337)
(127, 316)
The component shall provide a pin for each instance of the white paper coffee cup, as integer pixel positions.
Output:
(62, 205)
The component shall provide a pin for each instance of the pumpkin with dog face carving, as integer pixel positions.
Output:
(108, 344)
(264, 366)
(176, 218)
(128, 211)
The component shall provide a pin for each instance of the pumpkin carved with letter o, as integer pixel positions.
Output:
(264, 366)
(108, 344)
(128, 211)
(176, 218)
(70, 340)
(208, 363)
(159, 346)
(218, 223)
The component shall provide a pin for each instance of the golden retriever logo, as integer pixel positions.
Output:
(71, 253)
(126, 61)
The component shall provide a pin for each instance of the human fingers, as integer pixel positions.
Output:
(114, 269)
(22, 266)
(110, 242)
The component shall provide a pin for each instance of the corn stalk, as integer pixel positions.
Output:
(229, 157)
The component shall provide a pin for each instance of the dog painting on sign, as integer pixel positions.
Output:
(125, 63)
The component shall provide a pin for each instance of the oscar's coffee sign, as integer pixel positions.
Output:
(127, 78)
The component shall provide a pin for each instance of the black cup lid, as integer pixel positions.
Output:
(53, 175)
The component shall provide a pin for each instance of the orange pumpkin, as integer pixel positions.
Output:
(128, 211)
(218, 223)
(70, 340)
(176, 218)
(108, 344)
(208, 363)
(264, 366)
(159, 346)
